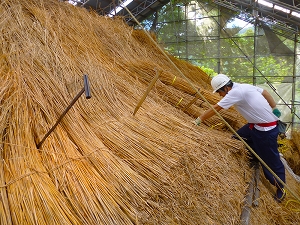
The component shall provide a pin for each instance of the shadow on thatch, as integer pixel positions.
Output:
(102, 165)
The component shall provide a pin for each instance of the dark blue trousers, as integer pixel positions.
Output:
(264, 144)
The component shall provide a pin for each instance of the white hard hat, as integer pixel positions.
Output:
(219, 81)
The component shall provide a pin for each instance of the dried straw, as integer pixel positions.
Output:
(102, 165)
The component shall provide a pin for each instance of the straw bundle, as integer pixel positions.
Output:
(102, 165)
(291, 151)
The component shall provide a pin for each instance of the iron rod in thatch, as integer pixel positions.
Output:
(85, 89)
(147, 91)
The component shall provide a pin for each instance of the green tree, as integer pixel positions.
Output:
(200, 34)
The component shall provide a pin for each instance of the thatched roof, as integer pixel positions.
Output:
(102, 164)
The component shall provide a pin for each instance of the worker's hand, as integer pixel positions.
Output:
(197, 121)
(276, 112)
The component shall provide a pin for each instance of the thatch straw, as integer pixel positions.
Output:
(291, 151)
(102, 164)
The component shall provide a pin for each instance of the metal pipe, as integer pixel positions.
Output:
(256, 188)
(246, 211)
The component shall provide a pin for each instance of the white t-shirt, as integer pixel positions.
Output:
(249, 101)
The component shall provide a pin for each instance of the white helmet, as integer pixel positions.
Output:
(219, 81)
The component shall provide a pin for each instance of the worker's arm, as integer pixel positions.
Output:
(207, 114)
(271, 102)
(210, 112)
(269, 98)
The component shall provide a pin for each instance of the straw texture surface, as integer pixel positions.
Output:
(101, 164)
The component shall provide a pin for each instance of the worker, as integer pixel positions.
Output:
(258, 107)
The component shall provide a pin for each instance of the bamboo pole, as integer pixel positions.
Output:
(191, 102)
(147, 91)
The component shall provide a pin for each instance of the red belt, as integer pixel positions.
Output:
(251, 125)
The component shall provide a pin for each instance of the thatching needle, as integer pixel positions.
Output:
(85, 89)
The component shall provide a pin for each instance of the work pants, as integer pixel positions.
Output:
(264, 144)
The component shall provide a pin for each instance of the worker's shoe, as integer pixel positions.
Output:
(280, 195)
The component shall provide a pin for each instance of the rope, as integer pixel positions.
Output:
(215, 125)
(217, 113)
(294, 208)
(173, 80)
(86, 156)
(179, 102)
(289, 169)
